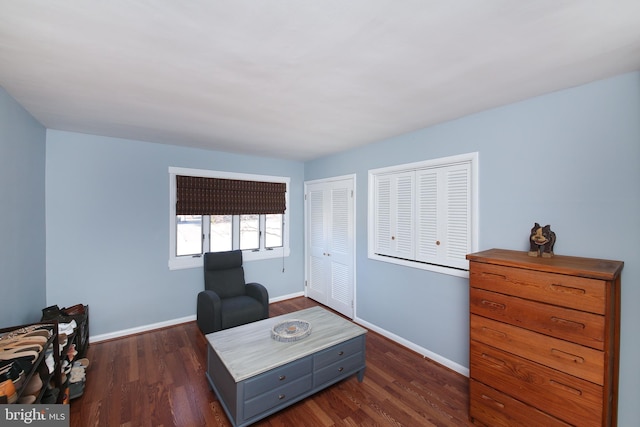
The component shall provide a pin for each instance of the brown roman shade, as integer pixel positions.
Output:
(216, 196)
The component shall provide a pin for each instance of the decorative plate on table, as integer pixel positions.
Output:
(290, 330)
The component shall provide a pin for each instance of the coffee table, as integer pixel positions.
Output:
(254, 375)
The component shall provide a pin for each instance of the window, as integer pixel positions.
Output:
(424, 214)
(196, 227)
(220, 233)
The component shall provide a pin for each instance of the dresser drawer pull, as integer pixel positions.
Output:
(566, 387)
(281, 396)
(282, 377)
(493, 359)
(340, 369)
(494, 332)
(566, 322)
(568, 289)
(566, 356)
(340, 353)
(493, 305)
(493, 275)
(492, 400)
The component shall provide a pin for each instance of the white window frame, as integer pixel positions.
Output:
(181, 262)
(406, 251)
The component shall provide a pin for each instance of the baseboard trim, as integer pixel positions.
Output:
(286, 297)
(140, 329)
(412, 346)
(165, 324)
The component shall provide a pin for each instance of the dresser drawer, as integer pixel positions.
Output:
(496, 409)
(277, 377)
(338, 369)
(570, 399)
(558, 289)
(338, 352)
(576, 326)
(577, 360)
(277, 397)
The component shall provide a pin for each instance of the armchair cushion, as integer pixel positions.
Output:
(240, 310)
(223, 273)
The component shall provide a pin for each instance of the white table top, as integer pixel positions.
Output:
(249, 350)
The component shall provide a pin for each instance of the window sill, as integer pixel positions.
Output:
(422, 266)
(181, 263)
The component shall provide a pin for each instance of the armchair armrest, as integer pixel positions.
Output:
(259, 292)
(209, 312)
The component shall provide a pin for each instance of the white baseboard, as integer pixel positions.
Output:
(285, 297)
(420, 350)
(140, 329)
(173, 322)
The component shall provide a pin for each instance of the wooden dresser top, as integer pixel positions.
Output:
(575, 266)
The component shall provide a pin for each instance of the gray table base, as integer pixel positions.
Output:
(249, 398)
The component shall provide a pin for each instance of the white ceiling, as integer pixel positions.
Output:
(298, 79)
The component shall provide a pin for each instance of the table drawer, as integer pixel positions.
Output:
(277, 397)
(570, 399)
(338, 352)
(576, 326)
(496, 409)
(577, 360)
(558, 289)
(277, 377)
(338, 369)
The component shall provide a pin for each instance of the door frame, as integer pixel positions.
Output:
(348, 177)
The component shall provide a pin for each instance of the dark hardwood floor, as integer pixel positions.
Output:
(157, 379)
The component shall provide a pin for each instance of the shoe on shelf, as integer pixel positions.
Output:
(8, 391)
(74, 310)
(34, 385)
(19, 353)
(27, 400)
(72, 352)
(38, 329)
(18, 346)
(84, 362)
(13, 371)
(67, 327)
(49, 361)
(23, 340)
(50, 396)
(76, 390)
(77, 375)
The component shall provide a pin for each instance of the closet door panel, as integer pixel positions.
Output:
(316, 244)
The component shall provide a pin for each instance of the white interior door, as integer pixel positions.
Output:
(330, 243)
(316, 237)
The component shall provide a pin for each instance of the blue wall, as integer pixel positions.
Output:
(22, 214)
(108, 229)
(570, 159)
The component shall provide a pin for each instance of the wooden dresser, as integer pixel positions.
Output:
(544, 340)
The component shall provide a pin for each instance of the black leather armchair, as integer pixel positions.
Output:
(227, 301)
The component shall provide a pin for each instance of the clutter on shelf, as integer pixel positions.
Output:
(45, 362)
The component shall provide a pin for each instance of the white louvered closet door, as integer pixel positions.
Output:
(443, 215)
(330, 244)
(394, 215)
(316, 244)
